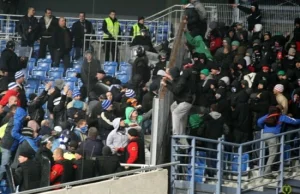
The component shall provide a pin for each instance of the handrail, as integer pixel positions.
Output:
(158, 13)
(43, 189)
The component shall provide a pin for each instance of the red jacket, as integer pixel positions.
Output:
(215, 43)
(132, 150)
(7, 95)
(56, 171)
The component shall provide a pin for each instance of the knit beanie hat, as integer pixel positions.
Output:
(130, 93)
(279, 88)
(76, 93)
(205, 72)
(106, 104)
(281, 73)
(235, 43)
(12, 85)
(19, 74)
(133, 132)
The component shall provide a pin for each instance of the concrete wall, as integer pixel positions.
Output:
(155, 182)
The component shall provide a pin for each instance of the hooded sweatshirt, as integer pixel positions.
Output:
(214, 125)
(128, 113)
(117, 138)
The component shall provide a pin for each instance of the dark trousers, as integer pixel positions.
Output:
(43, 48)
(64, 55)
(111, 47)
(28, 43)
(79, 50)
(211, 155)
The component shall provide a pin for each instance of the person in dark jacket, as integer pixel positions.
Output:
(135, 150)
(92, 146)
(79, 29)
(47, 26)
(108, 163)
(147, 102)
(20, 79)
(9, 61)
(84, 167)
(59, 110)
(214, 127)
(4, 81)
(196, 23)
(140, 65)
(254, 14)
(28, 28)
(161, 65)
(89, 70)
(144, 39)
(28, 174)
(35, 107)
(45, 149)
(106, 119)
(62, 40)
(11, 138)
(138, 27)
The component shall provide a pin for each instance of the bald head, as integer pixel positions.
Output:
(62, 22)
(13, 100)
(33, 125)
(58, 154)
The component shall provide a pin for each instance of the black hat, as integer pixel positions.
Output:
(73, 144)
(133, 132)
(153, 87)
(27, 131)
(106, 151)
(10, 44)
(32, 96)
(268, 33)
(186, 61)
(214, 66)
(26, 153)
(141, 18)
(101, 71)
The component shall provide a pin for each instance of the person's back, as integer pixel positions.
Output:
(214, 125)
(85, 169)
(108, 163)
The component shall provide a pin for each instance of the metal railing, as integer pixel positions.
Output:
(100, 178)
(235, 168)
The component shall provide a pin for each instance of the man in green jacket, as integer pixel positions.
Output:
(199, 45)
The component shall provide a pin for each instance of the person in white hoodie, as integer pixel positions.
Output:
(117, 139)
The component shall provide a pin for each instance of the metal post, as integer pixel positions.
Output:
(239, 181)
(154, 131)
(236, 12)
(261, 155)
(219, 165)
(281, 176)
(192, 182)
(172, 176)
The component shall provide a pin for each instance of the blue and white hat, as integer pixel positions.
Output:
(19, 74)
(76, 93)
(12, 85)
(106, 104)
(130, 93)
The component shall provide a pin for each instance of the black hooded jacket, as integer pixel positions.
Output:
(254, 17)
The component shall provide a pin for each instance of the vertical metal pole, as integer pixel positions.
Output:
(236, 12)
(261, 155)
(192, 182)
(172, 176)
(281, 176)
(154, 132)
(239, 181)
(219, 166)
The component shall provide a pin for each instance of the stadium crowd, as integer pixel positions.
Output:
(237, 81)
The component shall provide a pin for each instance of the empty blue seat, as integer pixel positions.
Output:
(123, 77)
(110, 67)
(77, 67)
(30, 65)
(71, 82)
(126, 67)
(29, 90)
(33, 82)
(48, 56)
(44, 64)
(163, 28)
(71, 72)
(200, 165)
(245, 163)
(8, 29)
(56, 72)
(39, 72)
(161, 37)
(40, 90)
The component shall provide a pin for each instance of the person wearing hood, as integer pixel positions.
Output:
(242, 69)
(45, 149)
(88, 72)
(280, 98)
(231, 34)
(161, 65)
(35, 107)
(234, 47)
(111, 30)
(266, 75)
(81, 130)
(92, 146)
(140, 65)
(76, 102)
(117, 139)
(59, 110)
(199, 45)
(105, 120)
(288, 63)
(215, 41)
(108, 163)
(257, 32)
(147, 102)
(12, 137)
(220, 51)
(134, 120)
(200, 61)
(288, 88)
(254, 14)
(214, 127)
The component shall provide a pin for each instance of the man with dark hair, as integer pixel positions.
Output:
(111, 30)
(136, 28)
(135, 150)
(28, 28)
(47, 26)
(79, 29)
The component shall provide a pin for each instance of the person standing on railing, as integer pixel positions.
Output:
(272, 125)
(62, 40)
(111, 29)
(254, 14)
(47, 26)
(79, 29)
(136, 28)
(28, 28)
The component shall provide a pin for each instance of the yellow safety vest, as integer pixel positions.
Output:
(112, 28)
(137, 30)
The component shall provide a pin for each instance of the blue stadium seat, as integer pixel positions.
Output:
(44, 64)
(56, 72)
(29, 90)
(71, 82)
(126, 67)
(50, 79)
(71, 72)
(48, 56)
(123, 25)
(39, 72)
(161, 37)
(200, 165)
(123, 77)
(245, 161)
(30, 65)
(33, 82)
(40, 90)
(110, 67)
(77, 67)
(9, 29)
(163, 28)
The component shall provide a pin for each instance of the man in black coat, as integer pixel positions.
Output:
(147, 102)
(140, 65)
(62, 40)
(28, 28)
(28, 174)
(47, 26)
(20, 78)
(84, 167)
(9, 61)
(108, 163)
(79, 29)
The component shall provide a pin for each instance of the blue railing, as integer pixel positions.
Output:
(218, 166)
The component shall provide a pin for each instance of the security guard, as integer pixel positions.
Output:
(111, 29)
(136, 28)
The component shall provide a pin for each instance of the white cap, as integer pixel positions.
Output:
(58, 129)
